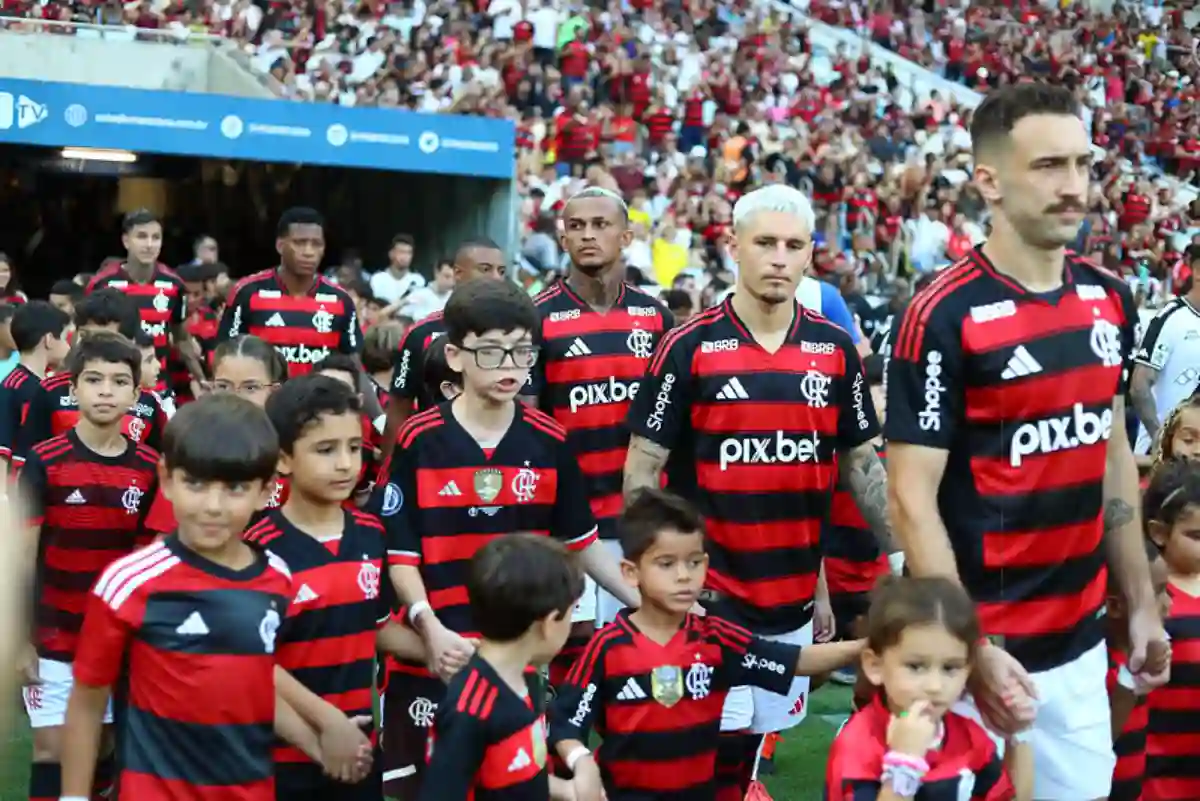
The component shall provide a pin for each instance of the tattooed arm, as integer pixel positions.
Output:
(1141, 392)
(1122, 518)
(643, 465)
(864, 475)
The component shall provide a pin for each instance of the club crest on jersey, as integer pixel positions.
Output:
(815, 389)
(323, 321)
(488, 483)
(666, 685)
(422, 710)
(136, 428)
(1106, 342)
(276, 495)
(131, 498)
(368, 579)
(640, 343)
(161, 302)
(524, 484)
(268, 628)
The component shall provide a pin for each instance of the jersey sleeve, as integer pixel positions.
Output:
(853, 769)
(659, 411)
(992, 782)
(408, 365)
(1128, 335)
(924, 370)
(233, 321)
(33, 482)
(574, 523)
(351, 340)
(37, 427)
(834, 307)
(394, 499)
(10, 420)
(179, 306)
(104, 639)
(456, 748)
(573, 711)
(751, 660)
(857, 419)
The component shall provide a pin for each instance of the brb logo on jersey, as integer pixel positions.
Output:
(611, 391)
(1060, 434)
(781, 449)
(930, 418)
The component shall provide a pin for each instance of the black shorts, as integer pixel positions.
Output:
(305, 781)
(408, 707)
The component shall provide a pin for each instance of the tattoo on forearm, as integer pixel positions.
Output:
(867, 480)
(1117, 514)
(643, 464)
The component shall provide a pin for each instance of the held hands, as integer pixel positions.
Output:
(1003, 691)
(913, 732)
(1149, 649)
(824, 623)
(586, 780)
(448, 651)
(346, 751)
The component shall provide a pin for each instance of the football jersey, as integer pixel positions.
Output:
(408, 363)
(1171, 348)
(161, 301)
(17, 389)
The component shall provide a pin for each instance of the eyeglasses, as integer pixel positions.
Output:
(247, 388)
(492, 357)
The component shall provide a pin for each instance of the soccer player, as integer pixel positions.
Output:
(1165, 365)
(195, 618)
(336, 557)
(53, 409)
(305, 316)
(475, 258)
(480, 466)
(652, 682)
(1008, 460)
(40, 332)
(85, 488)
(764, 405)
(157, 291)
(597, 335)
(489, 737)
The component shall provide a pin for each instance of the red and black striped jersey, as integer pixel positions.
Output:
(200, 643)
(1018, 388)
(588, 373)
(408, 363)
(853, 561)
(442, 498)
(161, 301)
(1174, 725)
(327, 640)
(18, 388)
(657, 708)
(303, 328)
(1129, 774)
(965, 766)
(487, 743)
(755, 438)
(53, 410)
(89, 509)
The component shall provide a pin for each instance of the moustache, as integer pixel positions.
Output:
(1062, 208)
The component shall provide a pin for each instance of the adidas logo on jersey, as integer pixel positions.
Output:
(1021, 364)
(733, 390)
(305, 593)
(75, 498)
(631, 691)
(521, 761)
(451, 490)
(579, 348)
(193, 625)
(276, 320)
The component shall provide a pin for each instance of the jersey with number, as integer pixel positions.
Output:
(161, 301)
(303, 328)
(1171, 348)
(1018, 389)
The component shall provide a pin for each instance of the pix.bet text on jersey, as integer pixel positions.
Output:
(303, 328)
(161, 301)
(1018, 388)
(763, 431)
(588, 373)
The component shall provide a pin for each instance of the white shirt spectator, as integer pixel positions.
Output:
(505, 14)
(1171, 348)
(929, 239)
(545, 27)
(424, 302)
(366, 64)
(390, 287)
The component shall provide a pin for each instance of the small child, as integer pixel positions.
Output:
(660, 674)
(1179, 437)
(489, 739)
(441, 382)
(1171, 511)
(41, 333)
(908, 743)
(1127, 698)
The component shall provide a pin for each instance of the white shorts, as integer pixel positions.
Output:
(1072, 736)
(763, 712)
(46, 703)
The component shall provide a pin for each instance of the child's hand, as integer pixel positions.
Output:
(912, 732)
(1022, 706)
(586, 780)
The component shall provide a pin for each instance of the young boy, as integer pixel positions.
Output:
(151, 369)
(340, 613)
(1130, 713)
(479, 467)
(489, 737)
(64, 295)
(660, 674)
(86, 489)
(40, 333)
(195, 617)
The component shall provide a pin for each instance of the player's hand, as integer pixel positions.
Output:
(342, 742)
(997, 676)
(912, 732)
(824, 624)
(27, 667)
(586, 780)
(1149, 648)
(448, 651)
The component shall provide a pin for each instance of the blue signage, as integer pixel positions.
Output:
(218, 126)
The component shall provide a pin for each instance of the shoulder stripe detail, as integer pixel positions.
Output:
(56, 380)
(123, 577)
(249, 279)
(478, 696)
(365, 518)
(258, 530)
(53, 446)
(731, 635)
(416, 425)
(911, 335)
(169, 272)
(585, 666)
(547, 293)
(104, 272)
(668, 341)
(273, 560)
(544, 421)
(15, 379)
(148, 453)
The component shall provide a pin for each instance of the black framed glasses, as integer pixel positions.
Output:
(243, 389)
(492, 357)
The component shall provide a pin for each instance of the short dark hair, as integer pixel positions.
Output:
(472, 243)
(517, 580)
(69, 288)
(436, 370)
(143, 340)
(32, 321)
(340, 363)
(677, 299)
(1003, 108)
(7, 312)
(138, 217)
(479, 306)
(298, 215)
(222, 437)
(108, 307)
(249, 346)
(651, 512)
(104, 346)
(302, 401)
(403, 239)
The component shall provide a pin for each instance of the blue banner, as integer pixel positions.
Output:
(218, 126)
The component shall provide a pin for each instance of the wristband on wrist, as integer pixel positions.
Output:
(898, 759)
(903, 779)
(1125, 678)
(416, 610)
(72, 798)
(1021, 737)
(577, 754)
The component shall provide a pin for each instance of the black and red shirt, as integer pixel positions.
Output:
(1129, 774)
(408, 363)
(1174, 724)
(853, 561)
(196, 644)
(964, 767)
(755, 438)
(1018, 388)
(442, 498)
(657, 708)
(588, 374)
(327, 640)
(88, 508)
(18, 388)
(161, 301)
(303, 328)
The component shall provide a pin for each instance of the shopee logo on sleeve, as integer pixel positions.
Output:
(661, 401)
(752, 662)
(930, 418)
(611, 391)
(401, 379)
(1060, 434)
(782, 449)
(860, 411)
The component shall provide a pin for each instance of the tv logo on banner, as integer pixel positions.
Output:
(20, 110)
